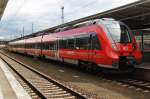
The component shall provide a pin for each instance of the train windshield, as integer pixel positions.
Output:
(118, 31)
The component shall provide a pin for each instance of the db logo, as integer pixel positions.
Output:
(125, 48)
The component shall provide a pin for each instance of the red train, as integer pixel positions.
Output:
(106, 43)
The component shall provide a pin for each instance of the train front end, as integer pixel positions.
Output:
(124, 52)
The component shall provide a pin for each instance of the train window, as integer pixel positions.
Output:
(71, 44)
(51, 45)
(82, 42)
(27, 45)
(39, 45)
(34, 46)
(21, 46)
(62, 43)
(46, 46)
(30, 46)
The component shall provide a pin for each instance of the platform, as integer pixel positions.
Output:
(10, 88)
(144, 65)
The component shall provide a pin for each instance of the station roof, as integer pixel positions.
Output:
(3, 4)
(136, 15)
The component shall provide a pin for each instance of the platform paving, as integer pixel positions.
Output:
(10, 88)
(144, 65)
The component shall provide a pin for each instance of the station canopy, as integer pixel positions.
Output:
(3, 4)
(136, 15)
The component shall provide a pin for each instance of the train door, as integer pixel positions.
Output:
(82, 47)
(91, 51)
(94, 47)
(56, 49)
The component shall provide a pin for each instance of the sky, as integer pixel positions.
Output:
(44, 14)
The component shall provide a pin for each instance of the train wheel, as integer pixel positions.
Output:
(95, 68)
(81, 65)
(43, 56)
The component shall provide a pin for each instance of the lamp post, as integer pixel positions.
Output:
(62, 14)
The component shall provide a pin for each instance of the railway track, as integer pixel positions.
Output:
(39, 85)
(129, 82)
(144, 86)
